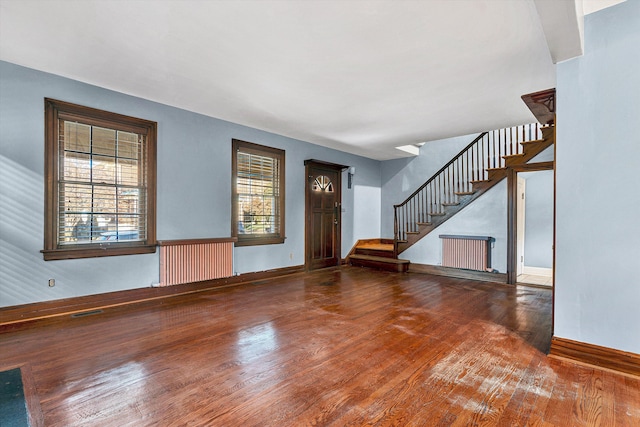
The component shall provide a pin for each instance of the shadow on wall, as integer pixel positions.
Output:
(21, 228)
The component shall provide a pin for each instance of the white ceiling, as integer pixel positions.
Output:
(591, 6)
(358, 76)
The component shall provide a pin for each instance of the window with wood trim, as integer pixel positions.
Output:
(100, 183)
(257, 216)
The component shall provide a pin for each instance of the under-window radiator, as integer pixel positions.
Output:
(469, 252)
(195, 260)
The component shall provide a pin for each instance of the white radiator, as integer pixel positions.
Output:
(195, 260)
(469, 252)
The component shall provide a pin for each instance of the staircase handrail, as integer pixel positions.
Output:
(442, 169)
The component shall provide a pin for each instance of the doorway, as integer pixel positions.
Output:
(534, 224)
(323, 206)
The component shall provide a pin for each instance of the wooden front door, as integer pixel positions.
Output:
(323, 214)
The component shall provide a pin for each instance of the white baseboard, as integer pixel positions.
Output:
(537, 271)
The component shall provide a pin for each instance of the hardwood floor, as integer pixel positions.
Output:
(340, 347)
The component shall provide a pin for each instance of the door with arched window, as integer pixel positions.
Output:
(323, 214)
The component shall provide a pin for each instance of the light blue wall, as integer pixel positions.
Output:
(194, 190)
(597, 290)
(538, 243)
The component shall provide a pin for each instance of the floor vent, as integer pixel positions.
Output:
(87, 313)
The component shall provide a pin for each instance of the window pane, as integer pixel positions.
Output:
(128, 145)
(127, 172)
(103, 141)
(129, 227)
(104, 199)
(78, 228)
(76, 137)
(103, 170)
(77, 167)
(129, 201)
(67, 228)
(75, 198)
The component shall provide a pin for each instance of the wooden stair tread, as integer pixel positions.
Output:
(513, 156)
(436, 213)
(380, 259)
(450, 203)
(426, 224)
(466, 193)
(376, 246)
(380, 263)
(535, 141)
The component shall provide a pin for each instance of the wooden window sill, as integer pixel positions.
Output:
(96, 251)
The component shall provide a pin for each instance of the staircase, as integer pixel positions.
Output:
(472, 172)
(478, 167)
(482, 164)
(379, 254)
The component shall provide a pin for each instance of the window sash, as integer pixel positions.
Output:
(101, 185)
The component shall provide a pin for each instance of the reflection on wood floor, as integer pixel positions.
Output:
(343, 346)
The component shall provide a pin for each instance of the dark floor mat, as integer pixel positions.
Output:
(13, 405)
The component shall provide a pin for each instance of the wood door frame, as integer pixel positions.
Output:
(512, 232)
(307, 202)
(520, 224)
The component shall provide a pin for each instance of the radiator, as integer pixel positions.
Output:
(195, 260)
(469, 252)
